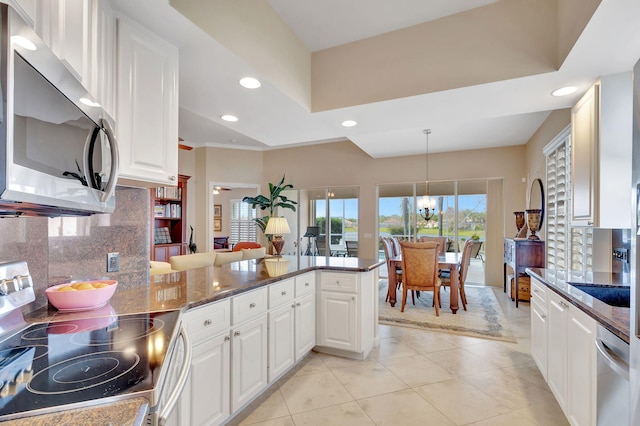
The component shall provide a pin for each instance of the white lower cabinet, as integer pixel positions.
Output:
(281, 340)
(557, 348)
(346, 319)
(248, 361)
(582, 378)
(305, 324)
(243, 343)
(205, 398)
(338, 326)
(539, 326)
(563, 347)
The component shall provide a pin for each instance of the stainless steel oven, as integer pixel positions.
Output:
(87, 358)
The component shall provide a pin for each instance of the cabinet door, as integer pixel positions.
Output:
(147, 106)
(557, 358)
(248, 361)
(71, 36)
(103, 56)
(281, 340)
(305, 316)
(582, 368)
(539, 335)
(338, 321)
(205, 400)
(584, 142)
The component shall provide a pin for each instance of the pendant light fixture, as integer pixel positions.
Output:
(426, 204)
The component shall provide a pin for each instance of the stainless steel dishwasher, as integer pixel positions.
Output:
(613, 379)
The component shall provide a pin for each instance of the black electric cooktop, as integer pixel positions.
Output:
(46, 366)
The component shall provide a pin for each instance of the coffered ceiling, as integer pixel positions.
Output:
(478, 73)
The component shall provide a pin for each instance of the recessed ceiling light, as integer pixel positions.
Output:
(89, 102)
(349, 123)
(250, 83)
(23, 42)
(229, 117)
(564, 91)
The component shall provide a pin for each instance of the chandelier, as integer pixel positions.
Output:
(426, 204)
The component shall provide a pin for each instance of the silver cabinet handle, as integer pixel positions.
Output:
(252, 305)
(298, 304)
(227, 338)
(543, 316)
(172, 178)
(208, 323)
(563, 304)
(284, 293)
(293, 306)
(353, 298)
(306, 284)
(535, 290)
(236, 333)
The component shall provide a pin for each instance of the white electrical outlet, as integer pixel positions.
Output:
(113, 262)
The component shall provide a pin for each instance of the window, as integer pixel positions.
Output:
(243, 228)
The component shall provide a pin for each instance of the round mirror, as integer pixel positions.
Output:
(536, 198)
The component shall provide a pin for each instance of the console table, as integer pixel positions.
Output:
(520, 254)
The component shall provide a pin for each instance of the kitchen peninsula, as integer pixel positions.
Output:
(343, 306)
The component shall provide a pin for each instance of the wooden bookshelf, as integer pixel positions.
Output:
(169, 220)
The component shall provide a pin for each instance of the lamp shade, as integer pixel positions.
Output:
(277, 226)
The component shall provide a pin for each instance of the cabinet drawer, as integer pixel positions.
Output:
(305, 284)
(339, 282)
(248, 305)
(280, 293)
(539, 292)
(209, 320)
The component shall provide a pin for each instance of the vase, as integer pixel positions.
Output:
(519, 221)
(533, 221)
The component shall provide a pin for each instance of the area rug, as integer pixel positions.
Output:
(483, 317)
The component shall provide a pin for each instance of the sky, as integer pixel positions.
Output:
(391, 206)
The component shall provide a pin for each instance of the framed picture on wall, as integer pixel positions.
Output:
(217, 210)
(217, 224)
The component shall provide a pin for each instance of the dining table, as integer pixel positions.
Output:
(447, 260)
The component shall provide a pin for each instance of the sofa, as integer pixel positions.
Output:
(199, 260)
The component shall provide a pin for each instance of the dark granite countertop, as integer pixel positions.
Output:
(192, 288)
(615, 319)
(196, 287)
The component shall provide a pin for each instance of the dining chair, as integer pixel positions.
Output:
(440, 240)
(463, 268)
(420, 271)
(387, 246)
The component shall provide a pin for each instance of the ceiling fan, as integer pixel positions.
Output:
(217, 189)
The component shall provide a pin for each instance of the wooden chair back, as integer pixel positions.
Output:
(420, 269)
(440, 240)
(467, 254)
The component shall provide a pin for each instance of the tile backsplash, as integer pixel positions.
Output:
(75, 248)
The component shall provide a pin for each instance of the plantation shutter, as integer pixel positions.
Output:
(243, 228)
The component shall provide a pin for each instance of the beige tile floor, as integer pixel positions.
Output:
(417, 377)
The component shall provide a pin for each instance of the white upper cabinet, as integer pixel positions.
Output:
(146, 106)
(601, 154)
(71, 35)
(102, 76)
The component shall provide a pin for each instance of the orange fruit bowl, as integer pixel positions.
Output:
(81, 295)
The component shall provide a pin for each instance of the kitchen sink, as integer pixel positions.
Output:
(619, 296)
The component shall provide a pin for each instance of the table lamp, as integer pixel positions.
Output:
(276, 226)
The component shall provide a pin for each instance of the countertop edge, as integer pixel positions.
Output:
(602, 319)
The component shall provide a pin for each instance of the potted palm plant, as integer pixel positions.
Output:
(274, 200)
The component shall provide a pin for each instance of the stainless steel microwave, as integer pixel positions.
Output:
(58, 155)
